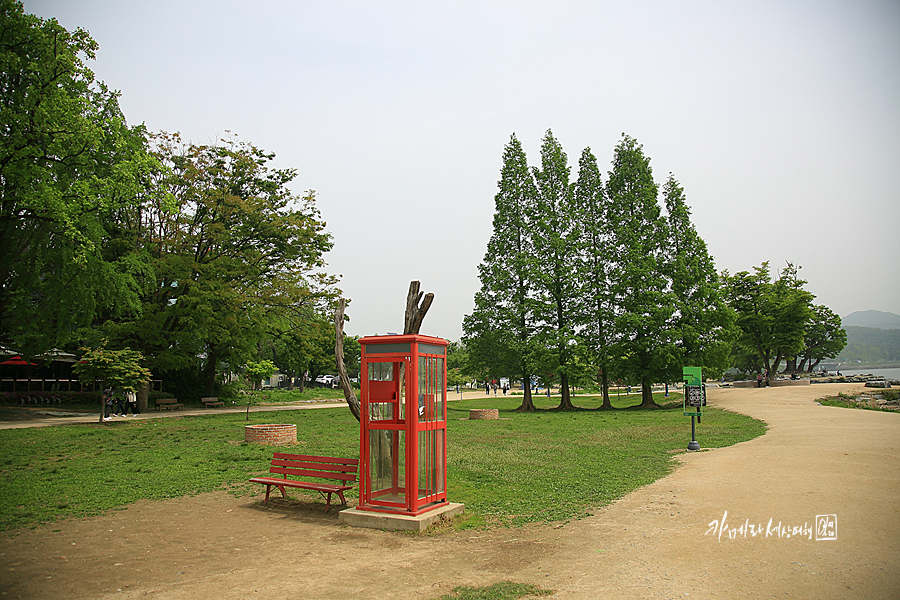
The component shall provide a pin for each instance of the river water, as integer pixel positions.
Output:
(886, 373)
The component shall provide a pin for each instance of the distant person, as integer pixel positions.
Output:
(120, 402)
(107, 403)
(131, 403)
(759, 379)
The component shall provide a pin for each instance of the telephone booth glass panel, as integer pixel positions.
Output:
(431, 463)
(385, 391)
(387, 467)
(431, 396)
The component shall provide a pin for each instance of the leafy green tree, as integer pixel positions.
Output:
(257, 371)
(703, 321)
(772, 316)
(68, 159)
(824, 338)
(644, 348)
(121, 369)
(305, 347)
(594, 269)
(230, 249)
(555, 234)
(460, 369)
(498, 333)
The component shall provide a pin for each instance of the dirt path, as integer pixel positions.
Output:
(655, 543)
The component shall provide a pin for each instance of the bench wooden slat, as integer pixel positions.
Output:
(318, 466)
(319, 459)
(277, 481)
(307, 473)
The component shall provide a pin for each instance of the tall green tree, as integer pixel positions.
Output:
(67, 161)
(644, 348)
(300, 348)
(594, 269)
(772, 316)
(703, 321)
(555, 238)
(499, 332)
(229, 249)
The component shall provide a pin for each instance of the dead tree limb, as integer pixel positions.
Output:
(352, 400)
(415, 313)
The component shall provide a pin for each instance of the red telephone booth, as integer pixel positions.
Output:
(403, 425)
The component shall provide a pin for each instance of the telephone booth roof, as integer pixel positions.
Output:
(378, 340)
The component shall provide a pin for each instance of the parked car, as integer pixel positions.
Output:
(328, 381)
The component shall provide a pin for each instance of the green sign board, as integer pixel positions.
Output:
(692, 375)
(694, 391)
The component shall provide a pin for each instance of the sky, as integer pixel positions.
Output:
(781, 120)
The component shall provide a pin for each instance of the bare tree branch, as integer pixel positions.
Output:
(415, 313)
(352, 400)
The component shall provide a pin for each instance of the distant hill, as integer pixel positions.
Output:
(872, 318)
(870, 345)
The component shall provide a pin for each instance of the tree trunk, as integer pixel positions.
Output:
(604, 386)
(412, 320)
(302, 377)
(565, 397)
(527, 402)
(209, 373)
(349, 395)
(647, 394)
(142, 395)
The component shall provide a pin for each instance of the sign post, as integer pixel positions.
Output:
(694, 400)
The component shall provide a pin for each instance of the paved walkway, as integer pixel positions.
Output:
(68, 418)
(663, 541)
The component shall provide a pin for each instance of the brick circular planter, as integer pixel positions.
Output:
(478, 414)
(273, 435)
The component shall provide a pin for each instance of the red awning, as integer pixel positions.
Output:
(16, 360)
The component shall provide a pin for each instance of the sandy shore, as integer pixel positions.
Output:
(662, 541)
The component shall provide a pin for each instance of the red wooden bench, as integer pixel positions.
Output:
(311, 467)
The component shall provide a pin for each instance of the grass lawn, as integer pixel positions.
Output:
(285, 396)
(525, 467)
